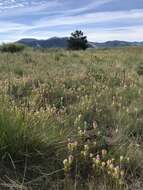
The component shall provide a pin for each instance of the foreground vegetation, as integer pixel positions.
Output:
(71, 120)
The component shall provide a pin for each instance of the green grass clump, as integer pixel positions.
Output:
(58, 105)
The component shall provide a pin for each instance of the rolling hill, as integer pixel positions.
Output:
(56, 42)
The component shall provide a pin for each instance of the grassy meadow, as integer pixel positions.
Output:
(71, 120)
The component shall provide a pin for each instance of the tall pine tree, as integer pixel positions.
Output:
(77, 41)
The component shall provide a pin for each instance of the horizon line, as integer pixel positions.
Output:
(32, 38)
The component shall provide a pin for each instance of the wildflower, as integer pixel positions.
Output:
(120, 182)
(91, 155)
(125, 86)
(72, 146)
(111, 166)
(82, 152)
(116, 172)
(117, 168)
(113, 103)
(86, 147)
(94, 160)
(94, 125)
(88, 141)
(79, 128)
(104, 152)
(84, 131)
(98, 133)
(97, 162)
(69, 139)
(81, 133)
(79, 116)
(85, 124)
(75, 143)
(117, 130)
(70, 159)
(122, 173)
(65, 162)
(109, 162)
(85, 153)
(93, 166)
(127, 110)
(137, 145)
(98, 157)
(103, 164)
(121, 158)
(113, 159)
(139, 92)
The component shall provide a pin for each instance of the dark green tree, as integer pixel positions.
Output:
(77, 41)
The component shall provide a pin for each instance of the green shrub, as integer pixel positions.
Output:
(20, 90)
(140, 69)
(12, 48)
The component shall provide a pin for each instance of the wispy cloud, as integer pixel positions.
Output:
(24, 7)
(47, 18)
(10, 4)
(89, 18)
(87, 7)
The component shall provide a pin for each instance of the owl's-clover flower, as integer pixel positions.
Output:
(93, 166)
(122, 173)
(79, 128)
(86, 147)
(98, 157)
(85, 153)
(109, 162)
(91, 155)
(69, 140)
(70, 159)
(81, 133)
(104, 152)
(128, 159)
(94, 125)
(72, 146)
(94, 143)
(103, 164)
(75, 143)
(121, 158)
(111, 166)
(116, 172)
(65, 162)
(96, 160)
(113, 159)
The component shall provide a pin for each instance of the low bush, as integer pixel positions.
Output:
(140, 69)
(12, 48)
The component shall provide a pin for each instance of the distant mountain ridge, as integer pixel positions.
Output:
(117, 43)
(56, 42)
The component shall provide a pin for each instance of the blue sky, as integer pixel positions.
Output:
(100, 20)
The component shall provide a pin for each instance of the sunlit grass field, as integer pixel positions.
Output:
(71, 120)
